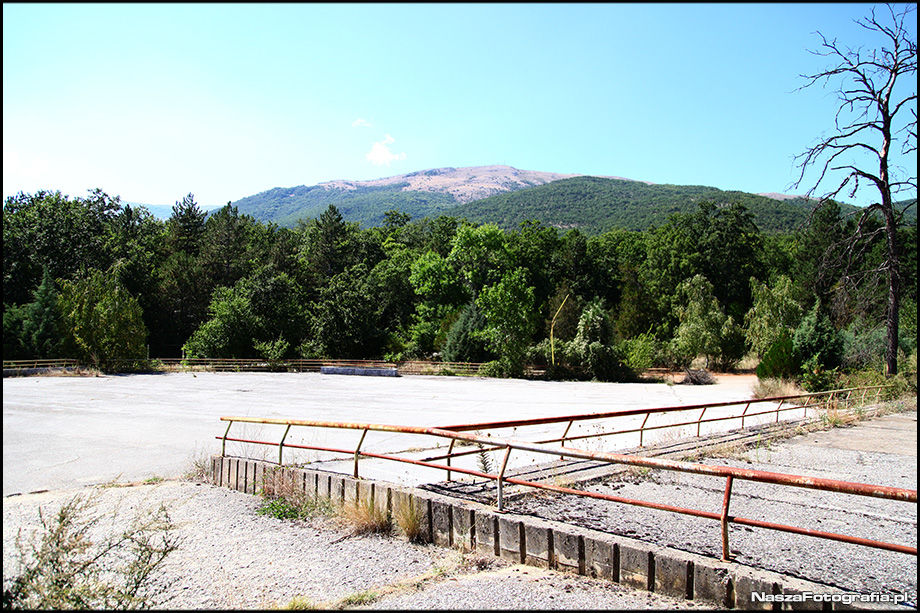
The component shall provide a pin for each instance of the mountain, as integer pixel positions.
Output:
(426, 192)
(597, 204)
(507, 196)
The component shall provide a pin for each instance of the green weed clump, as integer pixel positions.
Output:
(281, 499)
(61, 567)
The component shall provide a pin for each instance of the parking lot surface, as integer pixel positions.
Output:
(61, 432)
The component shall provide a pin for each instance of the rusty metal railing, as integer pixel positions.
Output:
(730, 474)
(834, 398)
(29, 364)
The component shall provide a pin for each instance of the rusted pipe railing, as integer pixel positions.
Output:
(729, 473)
(537, 421)
(810, 400)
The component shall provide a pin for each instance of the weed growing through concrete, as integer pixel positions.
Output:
(281, 499)
(408, 518)
(301, 603)
(199, 468)
(835, 417)
(366, 518)
(483, 459)
(61, 567)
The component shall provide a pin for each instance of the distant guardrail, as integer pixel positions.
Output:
(409, 367)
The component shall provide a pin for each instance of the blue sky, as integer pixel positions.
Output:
(151, 102)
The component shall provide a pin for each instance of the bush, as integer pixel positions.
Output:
(817, 338)
(640, 352)
(282, 499)
(815, 378)
(698, 377)
(864, 346)
(492, 369)
(779, 361)
(65, 569)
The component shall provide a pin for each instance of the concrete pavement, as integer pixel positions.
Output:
(61, 432)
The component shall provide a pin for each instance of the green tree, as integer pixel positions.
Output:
(227, 249)
(186, 226)
(228, 332)
(704, 329)
(41, 330)
(260, 315)
(441, 294)
(32, 331)
(481, 255)
(817, 268)
(180, 303)
(324, 245)
(775, 312)
(509, 308)
(817, 340)
(593, 346)
(343, 323)
(463, 342)
(719, 242)
(102, 322)
(68, 236)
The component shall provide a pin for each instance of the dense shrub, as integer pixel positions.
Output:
(779, 361)
(462, 343)
(817, 338)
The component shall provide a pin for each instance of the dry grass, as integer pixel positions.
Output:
(409, 520)
(199, 468)
(364, 517)
(771, 388)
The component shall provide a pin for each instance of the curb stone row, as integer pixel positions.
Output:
(473, 526)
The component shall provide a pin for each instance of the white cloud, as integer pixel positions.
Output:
(381, 155)
(359, 123)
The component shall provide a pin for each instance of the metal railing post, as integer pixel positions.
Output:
(743, 413)
(281, 444)
(501, 476)
(699, 422)
(724, 519)
(358, 451)
(450, 451)
(564, 434)
(642, 429)
(223, 445)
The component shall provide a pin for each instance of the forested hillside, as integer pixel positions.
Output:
(595, 205)
(92, 279)
(366, 205)
(591, 204)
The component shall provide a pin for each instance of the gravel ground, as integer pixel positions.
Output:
(232, 558)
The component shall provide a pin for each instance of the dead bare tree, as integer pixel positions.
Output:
(877, 111)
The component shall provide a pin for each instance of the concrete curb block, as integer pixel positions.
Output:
(449, 522)
(357, 370)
